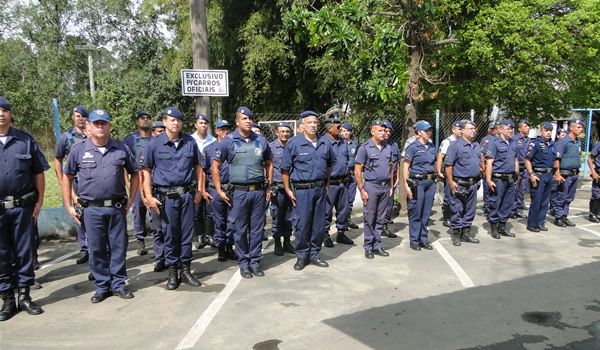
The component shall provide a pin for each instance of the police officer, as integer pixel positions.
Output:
(337, 194)
(99, 164)
(22, 186)
(502, 166)
(203, 221)
(346, 134)
(522, 183)
(566, 171)
(594, 165)
(136, 141)
(491, 135)
(539, 162)
(219, 210)
(63, 147)
(299, 127)
(158, 128)
(305, 167)
(554, 208)
(250, 172)
(374, 176)
(171, 166)
(463, 169)
(419, 183)
(396, 177)
(281, 205)
(456, 134)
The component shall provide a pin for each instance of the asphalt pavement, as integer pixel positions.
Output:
(535, 291)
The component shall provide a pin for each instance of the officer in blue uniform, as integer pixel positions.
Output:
(346, 134)
(63, 147)
(337, 194)
(281, 205)
(539, 163)
(396, 177)
(419, 183)
(463, 168)
(203, 221)
(566, 171)
(502, 166)
(554, 208)
(136, 141)
(218, 209)
(22, 186)
(157, 128)
(250, 172)
(100, 164)
(171, 166)
(305, 169)
(374, 175)
(456, 134)
(594, 165)
(522, 183)
(485, 142)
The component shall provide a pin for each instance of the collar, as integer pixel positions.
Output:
(75, 132)
(137, 135)
(305, 141)
(89, 144)
(164, 139)
(236, 135)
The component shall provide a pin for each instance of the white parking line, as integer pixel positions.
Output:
(595, 233)
(464, 279)
(59, 259)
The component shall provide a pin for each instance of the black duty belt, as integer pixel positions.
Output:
(542, 170)
(502, 176)
(10, 202)
(429, 176)
(212, 185)
(337, 180)
(308, 185)
(176, 190)
(569, 172)
(248, 187)
(115, 202)
(467, 181)
(381, 183)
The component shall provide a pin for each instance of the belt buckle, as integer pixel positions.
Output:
(107, 203)
(180, 191)
(251, 187)
(118, 205)
(9, 204)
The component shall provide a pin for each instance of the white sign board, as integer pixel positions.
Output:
(204, 82)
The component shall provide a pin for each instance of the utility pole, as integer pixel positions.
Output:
(200, 48)
(89, 49)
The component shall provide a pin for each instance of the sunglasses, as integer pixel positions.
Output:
(144, 117)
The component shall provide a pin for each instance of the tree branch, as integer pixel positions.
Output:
(442, 42)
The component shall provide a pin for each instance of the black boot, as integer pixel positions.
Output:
(173, 281)
(503, 230)
(231, 253)
(141, 250)
(594, 210)
(26, 304)
(222, 253)
(187, 276)
(343, 239)
(278, 247)
(9, 306)
(494, 230)
(456, 237)
(327, 242)
(466, 235)
(287, 245)
(351, 224)
(446, 215)
(386, 232)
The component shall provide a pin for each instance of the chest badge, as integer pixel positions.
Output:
(87, 155)
(258, 151)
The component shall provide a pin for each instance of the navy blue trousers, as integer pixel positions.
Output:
(501, 200)
(337, 197)
(521, 186)
(247, 218)
(374, 213)
(281, 215)
(419, 211)
(540, 199)
(463, 211)
(106, 229)
(554, 198)
(139, 217)
(309, 219)
(158, 238)
(565, 195)
(16, 246)
(178, 232)
(219, 210)
(351, 188)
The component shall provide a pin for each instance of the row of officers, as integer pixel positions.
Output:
(215, 190)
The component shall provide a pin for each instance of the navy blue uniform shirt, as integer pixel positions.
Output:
(485, 142)
(595, 154)
(464, 158)
(352, 147)
(208, 157)
(305, 162)
(421, 157)
(136, 143)
(569, 153)
(340, 150)
(541, 153)
(376, 162)
(276, 155)
(20, 159)
(100, 176)
(522, 146)
(226, 149)
(171, 166)
(504, 154)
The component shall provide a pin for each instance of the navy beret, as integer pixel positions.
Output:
(158, 124)
(4, 104)
(559, 130)
(284, 125)
(99, 115)
(308, 114)
(576, 121)
(173, 112)
(548, 126)
(422, 125)
(222, 124)
(388, 124)
(378, 122)
(524, 121)
(203, 117)
(139, 114)
(347, 126)
(245, 111)
(458, 124)
(507, 122)
(82, 110)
